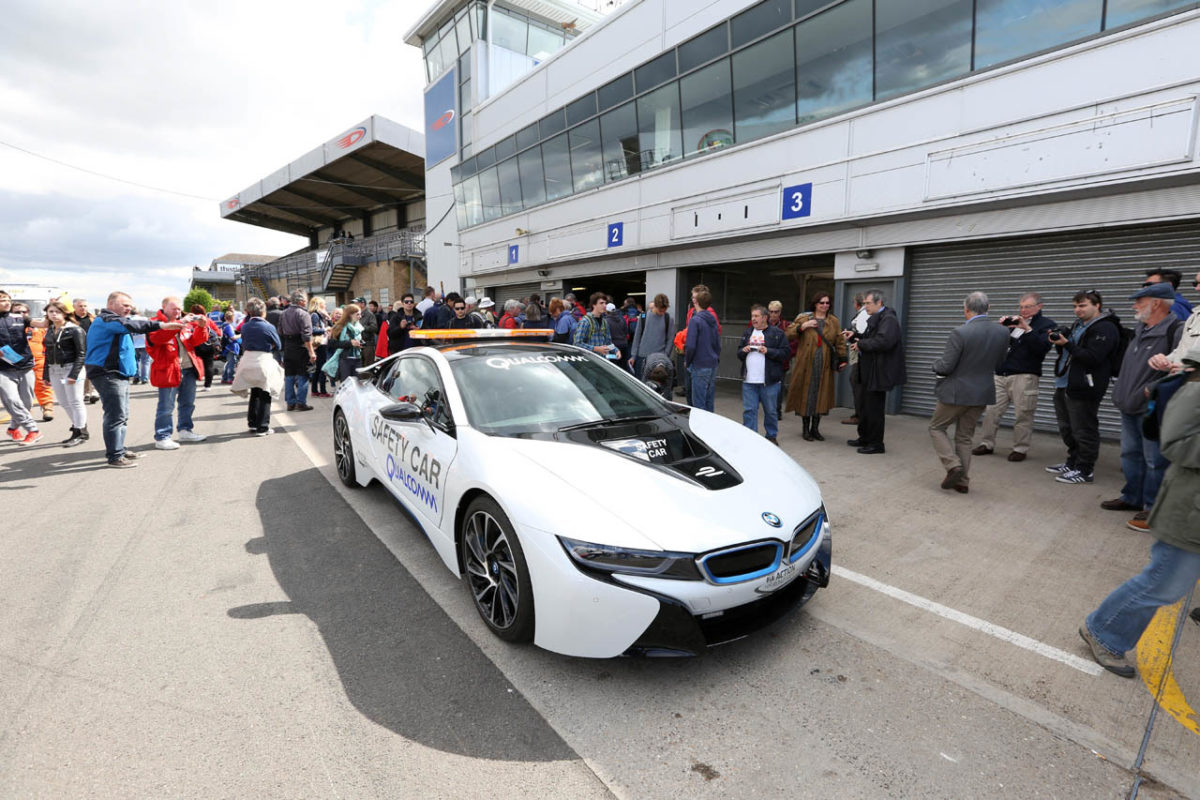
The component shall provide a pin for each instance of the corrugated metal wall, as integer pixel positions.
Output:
(1112, 261)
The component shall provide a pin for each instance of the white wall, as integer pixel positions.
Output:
(1106, 117)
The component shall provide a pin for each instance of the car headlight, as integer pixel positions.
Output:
(624, 560)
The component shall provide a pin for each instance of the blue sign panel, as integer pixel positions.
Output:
(616, 234)
(797, 201)
(514, 253)
(441, 139)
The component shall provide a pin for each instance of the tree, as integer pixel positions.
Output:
(200, 296)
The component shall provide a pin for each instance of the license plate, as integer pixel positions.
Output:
(779, 579)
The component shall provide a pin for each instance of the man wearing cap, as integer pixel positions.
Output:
(1157, 332)
(1173, 361)
(370, 331)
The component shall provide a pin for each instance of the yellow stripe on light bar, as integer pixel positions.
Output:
(481, 333)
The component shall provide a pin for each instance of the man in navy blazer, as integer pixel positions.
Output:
(965, 387)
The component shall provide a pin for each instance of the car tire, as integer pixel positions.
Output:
(343, 451)
(495, 571)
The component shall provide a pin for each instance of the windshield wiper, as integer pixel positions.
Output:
(608, 421)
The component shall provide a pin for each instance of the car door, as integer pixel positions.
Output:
(413, 457)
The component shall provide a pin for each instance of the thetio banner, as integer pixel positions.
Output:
(441, 110)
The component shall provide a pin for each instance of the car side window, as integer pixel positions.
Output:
(415, 380)
(387, 378)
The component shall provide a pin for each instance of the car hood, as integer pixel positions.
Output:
(668, 509)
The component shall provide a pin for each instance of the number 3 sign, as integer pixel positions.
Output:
(797, 201)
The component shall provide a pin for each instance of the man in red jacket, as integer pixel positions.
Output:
(175, 371)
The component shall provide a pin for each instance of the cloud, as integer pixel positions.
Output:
(203, 97)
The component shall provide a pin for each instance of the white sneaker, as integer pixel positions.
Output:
(166, 444)
(190, 436)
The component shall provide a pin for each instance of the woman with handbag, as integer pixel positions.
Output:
(345, 341)
(320, 333)
(820, 354)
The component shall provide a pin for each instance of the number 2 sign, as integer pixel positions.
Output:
(797, 201)
(616, 234)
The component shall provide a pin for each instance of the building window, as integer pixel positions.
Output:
(833, 61)
(509, 32)
(581, 109)
(506, 147)
(555, 122)
(510, 186)
(1008, 29)
(533, 185)
(527, 136)
(919, 43)
(619, 134)
(1122, 12)
(615, 91)
(759, 20)
(707, 104)
(489, 194)
(659, 134)
(655, 71)
(764, 88)
(586, 160)
(543, 43)
(463, 29)
(704, 48)
(472, 201)
(556, 160)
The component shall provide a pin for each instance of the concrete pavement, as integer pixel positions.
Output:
(256, 637)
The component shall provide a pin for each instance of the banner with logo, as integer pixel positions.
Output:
(441, 125)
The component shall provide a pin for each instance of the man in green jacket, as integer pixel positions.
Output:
(1116, 626)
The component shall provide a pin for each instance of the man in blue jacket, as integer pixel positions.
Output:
(110, 363)
(702, 352)
(763, 351)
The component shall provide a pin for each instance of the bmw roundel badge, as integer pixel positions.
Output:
(770, 519)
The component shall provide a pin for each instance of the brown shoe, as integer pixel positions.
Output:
(982, 450)
(961, 488)
(1015, 456)
(1118, 504)
(953, 478)
(1139, 522)
(850, 421)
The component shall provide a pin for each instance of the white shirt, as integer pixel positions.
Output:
(425, 305)
(860, 320)
(756, 362)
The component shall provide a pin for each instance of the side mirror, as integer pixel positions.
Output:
(402, 412)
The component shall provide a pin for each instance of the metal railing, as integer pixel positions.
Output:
(301, 270)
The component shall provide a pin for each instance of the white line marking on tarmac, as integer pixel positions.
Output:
(1004, 634)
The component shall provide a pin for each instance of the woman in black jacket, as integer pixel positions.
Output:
(65, 350)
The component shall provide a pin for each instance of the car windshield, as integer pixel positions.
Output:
(516, 390)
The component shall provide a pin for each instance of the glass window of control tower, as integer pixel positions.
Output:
(1008, 29)
(833, 61)
(1122, 12)
(919, 43)
(533, 183)
(659, 133)
(586, 162)
(510, 186)
(489, 194)
(556, 161)
(707, 103)
(619, 137)
(764, 88)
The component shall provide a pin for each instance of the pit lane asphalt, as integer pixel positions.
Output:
(203, 637)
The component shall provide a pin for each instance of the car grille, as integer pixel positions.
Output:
(742, 563)
(806, 536)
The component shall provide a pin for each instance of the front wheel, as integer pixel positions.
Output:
(343, 450)
(496, 571)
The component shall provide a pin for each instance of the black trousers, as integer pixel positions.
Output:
(856, 388)
(258, 415)
(206, 357)
(1079, 427)
(871, 417)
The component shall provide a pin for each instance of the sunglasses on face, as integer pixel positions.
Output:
(460, 308)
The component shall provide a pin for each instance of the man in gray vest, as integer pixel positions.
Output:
(965, 387)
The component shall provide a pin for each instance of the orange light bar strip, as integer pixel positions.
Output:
(479, 333)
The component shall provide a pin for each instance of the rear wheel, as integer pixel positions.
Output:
(496, 571)
(343, 450)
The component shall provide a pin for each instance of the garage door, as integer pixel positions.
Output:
(514, 291)
(1112, 261)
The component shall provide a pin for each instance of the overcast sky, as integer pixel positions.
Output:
(202, 98)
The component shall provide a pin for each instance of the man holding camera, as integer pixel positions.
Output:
(175, 370)
(1017, 377)
(965, 387)
(1081, 375)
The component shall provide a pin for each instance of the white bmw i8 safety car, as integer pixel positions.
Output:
(588, 514)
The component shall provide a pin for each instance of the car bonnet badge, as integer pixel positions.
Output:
(770, 519)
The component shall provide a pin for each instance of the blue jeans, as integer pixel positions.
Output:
(704, 386)
(1122, 618)
(1142, 463)
(114, 399)
(295, 389)
(231, 360)
(766, 395)
(185, 395)
(143, 364)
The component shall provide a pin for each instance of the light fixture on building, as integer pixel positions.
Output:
(864, 254)
(522, 232)
(545, 273)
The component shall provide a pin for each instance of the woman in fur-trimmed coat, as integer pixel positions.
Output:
(820, 355)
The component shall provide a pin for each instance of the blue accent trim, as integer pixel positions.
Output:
(749, 576)
(812, 541)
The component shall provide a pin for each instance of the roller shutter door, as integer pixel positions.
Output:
(1112, 261)
(514, 291)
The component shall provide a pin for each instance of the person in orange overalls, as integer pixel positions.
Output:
(42, 391)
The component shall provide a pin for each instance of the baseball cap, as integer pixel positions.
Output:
(610, 307)
(472, 300)
(359, 300)
(1160, 291)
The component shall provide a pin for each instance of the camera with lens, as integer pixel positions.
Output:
(1060, 330)
(1010, 321)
